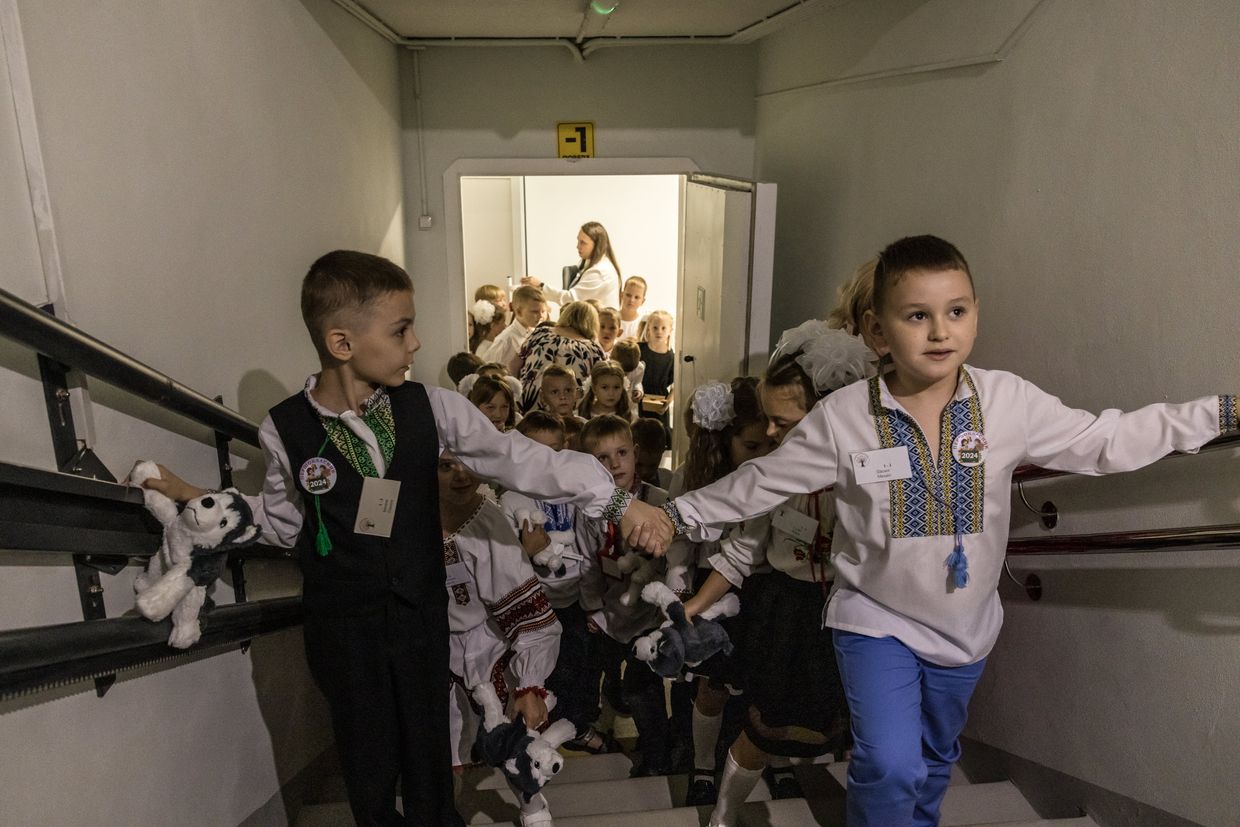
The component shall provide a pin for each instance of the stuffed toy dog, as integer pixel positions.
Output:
(552, 557)
(680, 642)
(195, 544)
(643, 570)
(527, 759)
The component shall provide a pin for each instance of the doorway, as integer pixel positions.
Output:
(703, 243)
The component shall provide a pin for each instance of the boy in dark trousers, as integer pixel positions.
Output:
(351, 484)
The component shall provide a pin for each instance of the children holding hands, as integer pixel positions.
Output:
(367, 533)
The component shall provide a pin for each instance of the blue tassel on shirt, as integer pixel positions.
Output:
(958, 564)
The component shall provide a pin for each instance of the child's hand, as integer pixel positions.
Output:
(172, 486)
(534, 539)
(532, 708)
(647, 528)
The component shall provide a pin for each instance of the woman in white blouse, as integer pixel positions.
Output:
(599, 275)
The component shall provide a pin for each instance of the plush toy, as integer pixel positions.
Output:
(528, 759)
(552, 557)
(190, 558)
(643, 570)
(680, 642)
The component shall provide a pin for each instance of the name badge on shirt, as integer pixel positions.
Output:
(800, 527)
(883, 465)
(377, 507)
(611, 568)
(457, 574)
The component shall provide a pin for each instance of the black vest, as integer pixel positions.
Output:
(360, 571)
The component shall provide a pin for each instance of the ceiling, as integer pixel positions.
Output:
(421, 20)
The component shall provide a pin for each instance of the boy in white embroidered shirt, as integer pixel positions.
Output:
(921, 462)
(503, 629)
(376, 642)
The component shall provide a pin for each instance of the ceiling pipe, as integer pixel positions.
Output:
(581, 47)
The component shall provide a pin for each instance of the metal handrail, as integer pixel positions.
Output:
(27, 324)
(1027, 473)
(42, 657)
(1217, 536)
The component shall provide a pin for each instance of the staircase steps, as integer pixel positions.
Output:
(595, 791)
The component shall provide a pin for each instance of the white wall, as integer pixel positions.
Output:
(199, 156)
(1090, 178)
(505, 102)
(641, 214)
(492, 230)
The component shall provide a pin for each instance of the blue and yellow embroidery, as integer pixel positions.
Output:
(934, 501)
(1227, 421)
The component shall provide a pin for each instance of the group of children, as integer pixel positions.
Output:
(859, 504)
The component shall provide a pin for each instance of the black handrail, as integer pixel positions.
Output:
(1216, 536)
(41, 657)
(43, 332)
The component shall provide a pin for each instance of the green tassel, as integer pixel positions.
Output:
(322, 542)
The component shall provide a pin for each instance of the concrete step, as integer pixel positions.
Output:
(985, 804)
(839, 771)
(607, 797)
(579, 768)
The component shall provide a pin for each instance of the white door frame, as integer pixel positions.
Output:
(466, 167)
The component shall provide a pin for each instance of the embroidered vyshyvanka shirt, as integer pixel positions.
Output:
(499, 607)
(893, 538)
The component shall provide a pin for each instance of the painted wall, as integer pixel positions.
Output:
(505, 102)
(641, 214)
(1091, 179)
(200, 155)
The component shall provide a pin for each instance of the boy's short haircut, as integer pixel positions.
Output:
(461, 365)
(557, 370)
(628, 353)
(345, 281)
(528, 293)
(917, 252)
(649, 434)
(639, 280)
(602, 427)
(537, 422)
(609, 313)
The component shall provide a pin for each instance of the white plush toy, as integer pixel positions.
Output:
(191, 556)
(552, 557)
(527, 759)
(644, 570)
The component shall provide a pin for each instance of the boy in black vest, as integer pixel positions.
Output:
(351, 484)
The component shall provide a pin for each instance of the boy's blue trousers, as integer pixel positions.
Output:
(907, 715)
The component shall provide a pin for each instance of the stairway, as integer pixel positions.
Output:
(595, 791)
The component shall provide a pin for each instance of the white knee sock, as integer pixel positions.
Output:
(535, 811)
(705, 739)
(734, 787)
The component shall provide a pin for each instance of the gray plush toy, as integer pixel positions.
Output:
(681, 643)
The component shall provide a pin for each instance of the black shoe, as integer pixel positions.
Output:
(607, 743)
(782, 783)
(702, 789)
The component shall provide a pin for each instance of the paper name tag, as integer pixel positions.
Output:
(611, 568)
(801, 527)
(457, 574)
(881, 466)
(377, 507)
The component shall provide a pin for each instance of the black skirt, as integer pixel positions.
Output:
(791, 681)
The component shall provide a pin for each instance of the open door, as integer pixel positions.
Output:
(724, 324)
